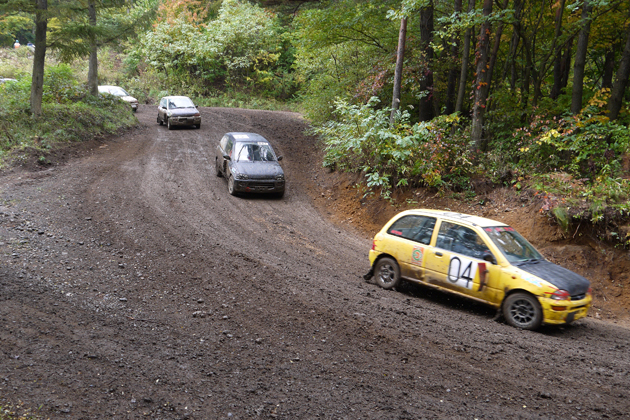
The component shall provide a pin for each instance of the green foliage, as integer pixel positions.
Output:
(344, 51)
(243, 47)
(435, 153)
(589, 148)
(14, 27)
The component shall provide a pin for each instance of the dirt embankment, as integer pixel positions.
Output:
(133, 286)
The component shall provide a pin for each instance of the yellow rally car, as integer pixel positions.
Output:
(479, 258)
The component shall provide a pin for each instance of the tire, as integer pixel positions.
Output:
(280, 194)
(522, 310)
(387, 273)
(160, 121)
(217, 168)
(231, 185)
(198, 126)
(168, 124)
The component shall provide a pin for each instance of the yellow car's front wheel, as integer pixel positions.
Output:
(387, 273)
(522, 310)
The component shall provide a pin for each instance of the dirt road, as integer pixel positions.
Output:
(133, 286)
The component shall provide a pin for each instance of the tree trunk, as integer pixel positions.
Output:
(93, 62)
(37, 84)
(557, 64)
(580, 59)
(609, 68)
(510, 62)
(482, 70)
(527, 71)
(514, 43)
(461, 91)
(426, 82)
(449, 106)
(565, 67)
(400, 56)
(621, 82)
(494, 54)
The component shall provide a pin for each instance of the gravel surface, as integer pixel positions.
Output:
(133, 286)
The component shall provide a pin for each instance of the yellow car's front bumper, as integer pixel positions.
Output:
(564, 311)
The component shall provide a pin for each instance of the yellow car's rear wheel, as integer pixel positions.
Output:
(387, 273)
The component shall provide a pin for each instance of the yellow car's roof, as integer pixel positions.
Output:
(459, 217)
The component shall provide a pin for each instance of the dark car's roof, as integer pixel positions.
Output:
(246, 137)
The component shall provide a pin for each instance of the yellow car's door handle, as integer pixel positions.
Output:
(438, 254)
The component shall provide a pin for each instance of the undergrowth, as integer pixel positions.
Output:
(576, 164)
(69, 114)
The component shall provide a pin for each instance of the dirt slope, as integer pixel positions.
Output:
(133, 286)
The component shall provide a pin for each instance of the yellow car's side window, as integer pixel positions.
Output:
(460, 239)
(414, 228)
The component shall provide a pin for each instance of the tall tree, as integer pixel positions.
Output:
(557, 62)
(86, 25)
(400, 56)
(449, 105)
(461, 91)
(621, 81)
(37, 83)
(495, 53)
(426, 81)
(482, 53)
(38, 9)
(580, 59)
(93, 62)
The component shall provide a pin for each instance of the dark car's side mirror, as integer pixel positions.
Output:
(227, 157)
(279, 158)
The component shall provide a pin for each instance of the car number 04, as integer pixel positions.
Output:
(461, 272)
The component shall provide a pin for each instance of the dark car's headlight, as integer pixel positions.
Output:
(280, 177)
(240, 176)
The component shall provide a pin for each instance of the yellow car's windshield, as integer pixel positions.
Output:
(515, 248)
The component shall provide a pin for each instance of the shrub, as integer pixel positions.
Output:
(435, 153)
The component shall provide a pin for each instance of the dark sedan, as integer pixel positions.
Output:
(250, 164)
(178, 110)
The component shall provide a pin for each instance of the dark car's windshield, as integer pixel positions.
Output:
(174, 103)
(515, 248)
(254, 152)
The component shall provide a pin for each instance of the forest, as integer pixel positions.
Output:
(531, 95)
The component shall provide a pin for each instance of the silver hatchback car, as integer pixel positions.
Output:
(178, 110)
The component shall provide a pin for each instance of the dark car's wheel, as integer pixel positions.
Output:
(217, 168)
(168, 124)
(160, 120)
(280, 194)
(198, 125)
(522, 310)
(387, 273)
(231, 185)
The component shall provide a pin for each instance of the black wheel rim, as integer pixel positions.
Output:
(387, 274)
(522, 312)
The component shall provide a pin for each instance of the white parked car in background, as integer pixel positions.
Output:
(121, 93)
